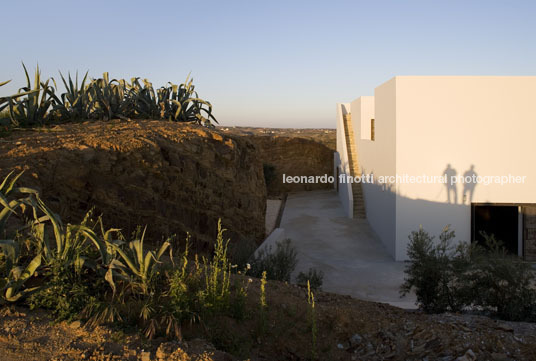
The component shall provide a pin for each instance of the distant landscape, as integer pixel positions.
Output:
(324, 136)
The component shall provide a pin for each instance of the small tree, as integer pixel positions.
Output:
(278, 264)
(434, 269)
(313, 279)
(501, 282)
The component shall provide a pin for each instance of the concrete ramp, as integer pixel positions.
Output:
(353, 259)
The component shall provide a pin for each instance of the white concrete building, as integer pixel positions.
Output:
(433, 128)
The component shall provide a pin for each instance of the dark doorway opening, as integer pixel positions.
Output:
(501, 221)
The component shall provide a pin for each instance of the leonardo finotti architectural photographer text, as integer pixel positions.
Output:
(409, 179)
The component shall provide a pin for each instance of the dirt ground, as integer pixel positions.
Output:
(346, 329)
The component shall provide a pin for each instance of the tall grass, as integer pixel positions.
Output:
(263, 320)
(218, 274)
(312, 320)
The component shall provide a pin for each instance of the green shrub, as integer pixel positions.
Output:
(434, 270)
(67, 292)
(278, 264)
(501, 283)
(313, 277)
(447, 278)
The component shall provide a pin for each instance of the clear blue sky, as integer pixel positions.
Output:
(269, 63)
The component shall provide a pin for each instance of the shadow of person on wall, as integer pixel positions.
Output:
(450, 173)
(469, 187)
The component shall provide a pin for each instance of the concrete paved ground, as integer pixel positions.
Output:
(353, 259)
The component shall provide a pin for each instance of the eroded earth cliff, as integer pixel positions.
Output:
(174, 178)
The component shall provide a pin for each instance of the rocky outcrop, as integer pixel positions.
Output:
(293, 156)
(172, 177)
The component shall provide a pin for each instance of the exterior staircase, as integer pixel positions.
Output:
(357, 190)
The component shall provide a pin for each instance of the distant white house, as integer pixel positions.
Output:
(417, 131)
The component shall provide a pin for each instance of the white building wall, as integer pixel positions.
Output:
(422, 125)
(378, 158)
(487, 122)
(362, 110)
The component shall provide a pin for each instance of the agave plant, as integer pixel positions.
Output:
(12, 274)
(15, 275)
(172, 102)
(106, 244)
(108, 98)
(192, 106)
(137, 265)
(4, 101)
(13, 199)
(74, 103)
(182, 103)
(70, 243)
(144, 100)
(31, 105)
(105, 99)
